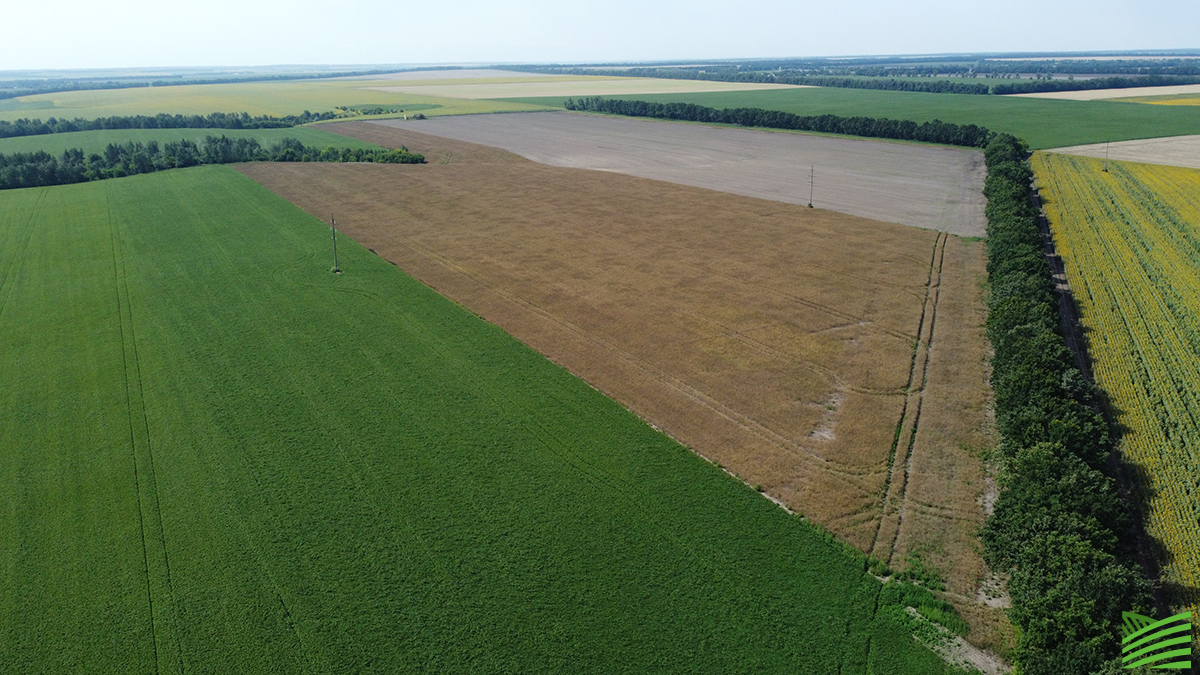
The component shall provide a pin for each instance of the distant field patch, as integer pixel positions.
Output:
(95, 141)
(571, 86)
(216, 456)
(1044, 123)
(1104, 94)
(1178, 99)
(925, 186)
(1181, 151)
(256, 98)
(455, 74)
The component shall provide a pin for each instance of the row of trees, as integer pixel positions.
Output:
(1059, 525)
(36, 169)
(15, 88)
(968, 135)
(217, 120)
(1093, 83)
(919, 79)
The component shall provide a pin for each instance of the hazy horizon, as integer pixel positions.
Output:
(74, 35)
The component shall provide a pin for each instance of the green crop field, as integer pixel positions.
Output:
(95, 141)
(256, 98)
(1044, 123)
(219, 457)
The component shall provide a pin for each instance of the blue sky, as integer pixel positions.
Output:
(131, 33)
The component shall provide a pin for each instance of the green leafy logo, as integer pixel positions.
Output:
(1147, 642)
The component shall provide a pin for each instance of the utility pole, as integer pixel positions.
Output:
(333, 226)
(812, 177)
(1106, 156)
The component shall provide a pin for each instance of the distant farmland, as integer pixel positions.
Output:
(1130, 241)
(219, 457)
(1043, 123)
(791, 345)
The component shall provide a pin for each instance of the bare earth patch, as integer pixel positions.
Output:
(792, 346)
(920, 185)
(1173, 151)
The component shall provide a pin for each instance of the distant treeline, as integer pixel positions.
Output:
(730, 75)
(217, 120)
(1059, 531)
(22, 88)
(1093, 83)
(947, 133)
(919, 81)
(36, 169)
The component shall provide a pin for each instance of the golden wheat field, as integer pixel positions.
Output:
(1130, 241)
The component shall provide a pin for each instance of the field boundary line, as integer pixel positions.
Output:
(810, 457)
(139, 435)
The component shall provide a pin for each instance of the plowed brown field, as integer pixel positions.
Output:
(804, 350)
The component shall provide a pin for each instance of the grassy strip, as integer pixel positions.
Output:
(1043, 123)
(353, 474)
(1058, 523)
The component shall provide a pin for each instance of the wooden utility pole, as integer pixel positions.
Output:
(333, 226)
(1106, 156)
(812, 177)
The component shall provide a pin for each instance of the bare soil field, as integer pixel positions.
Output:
(1104, 94)
(1173, 151)
(920, 185)
(579, 85)
(835, 361)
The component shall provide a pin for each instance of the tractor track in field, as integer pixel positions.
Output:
(900, 463)
(144, 476)
(6, 281)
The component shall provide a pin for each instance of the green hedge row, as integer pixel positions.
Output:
(37, 169)
(1058, 527)
(948, 133)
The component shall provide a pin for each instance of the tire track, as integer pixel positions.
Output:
(154, 548)
(920, 348)
(912, 438)
(8, 279)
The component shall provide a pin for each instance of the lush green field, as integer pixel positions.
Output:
(95, 141)
(1044, 123)
(217, 456)
(256, 98)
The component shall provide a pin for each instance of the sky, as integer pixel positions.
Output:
(169, 33)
